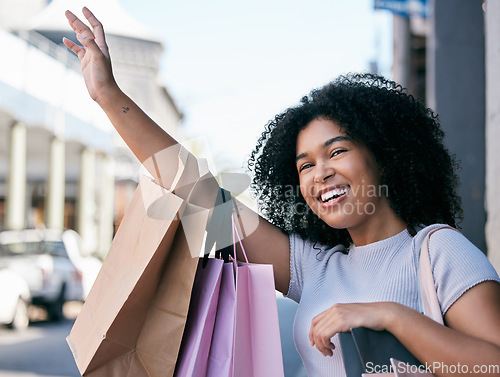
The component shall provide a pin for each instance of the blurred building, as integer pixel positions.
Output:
(447, 53)
(62, 165)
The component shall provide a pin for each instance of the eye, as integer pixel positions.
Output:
(304, 167)
(336, 152)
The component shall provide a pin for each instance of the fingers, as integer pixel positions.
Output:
(323, 327)
(77, 25)
(94, 22)
(78, 50)
(326, 347)
(320, 335)
(89, 44)
(96, 35)
(313, 329)
(324, 343)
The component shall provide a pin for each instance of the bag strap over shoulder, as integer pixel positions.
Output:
(428, 295)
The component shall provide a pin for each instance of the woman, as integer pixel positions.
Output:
(350, 180)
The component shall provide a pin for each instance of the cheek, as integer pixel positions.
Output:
(308, 196)
(303, 191)
(366, 172)
(305, 187)
(372, 180)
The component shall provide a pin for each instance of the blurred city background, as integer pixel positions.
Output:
(212, 74)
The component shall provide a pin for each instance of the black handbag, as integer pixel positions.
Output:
(364, 350)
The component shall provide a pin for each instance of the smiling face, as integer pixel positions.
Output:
(340, 179)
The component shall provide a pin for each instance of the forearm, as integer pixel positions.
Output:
(439, 346)
(152, 145)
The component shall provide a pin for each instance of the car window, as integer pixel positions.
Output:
(52, 248)
(56, 249)
(13, 249)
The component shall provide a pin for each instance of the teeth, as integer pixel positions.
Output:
(333, 193)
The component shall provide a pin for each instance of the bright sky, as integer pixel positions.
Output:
(232, 65)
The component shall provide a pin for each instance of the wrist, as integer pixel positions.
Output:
(394, 315)
(109, 96)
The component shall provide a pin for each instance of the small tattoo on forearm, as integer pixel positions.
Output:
(125, 109)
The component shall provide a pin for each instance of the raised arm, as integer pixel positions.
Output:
(142, 135)
(159, 151)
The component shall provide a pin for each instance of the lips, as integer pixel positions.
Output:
(332, 195)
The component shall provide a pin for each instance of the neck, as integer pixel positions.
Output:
(380, 226)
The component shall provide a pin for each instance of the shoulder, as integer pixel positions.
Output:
(447, 245)
(446, 239)
(457, 264)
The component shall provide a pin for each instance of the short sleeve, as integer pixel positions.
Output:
(297, 251)
(457, 266)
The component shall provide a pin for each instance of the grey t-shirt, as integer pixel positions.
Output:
(382, 271)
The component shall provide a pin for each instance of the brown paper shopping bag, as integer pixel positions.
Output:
(133, 320)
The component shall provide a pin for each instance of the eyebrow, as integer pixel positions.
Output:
(325, 144)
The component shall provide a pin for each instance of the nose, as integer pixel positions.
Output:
(323, 172)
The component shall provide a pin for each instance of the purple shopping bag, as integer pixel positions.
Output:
(220, 360)
(197, 338)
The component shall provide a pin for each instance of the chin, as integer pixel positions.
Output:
(335, 224)
(335, 220)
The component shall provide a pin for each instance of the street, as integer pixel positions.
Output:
(40, 350)
(292, 362)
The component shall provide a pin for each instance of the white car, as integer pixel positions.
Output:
(40, 257)
(87, 264)
(14, 300)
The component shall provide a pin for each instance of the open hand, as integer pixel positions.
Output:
(93, 54)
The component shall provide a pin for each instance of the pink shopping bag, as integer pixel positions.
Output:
(257, 344)
(246, 340)
(197, 338)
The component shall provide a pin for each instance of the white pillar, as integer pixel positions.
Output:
(86, 205)
(492, 28)
(16, 181)
(54, 209)
(106, 205)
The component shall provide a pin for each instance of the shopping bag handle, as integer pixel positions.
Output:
(235, 230)
(219, 230)
(225, 252)
(428, 297)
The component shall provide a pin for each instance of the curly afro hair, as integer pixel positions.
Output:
(404, 136)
